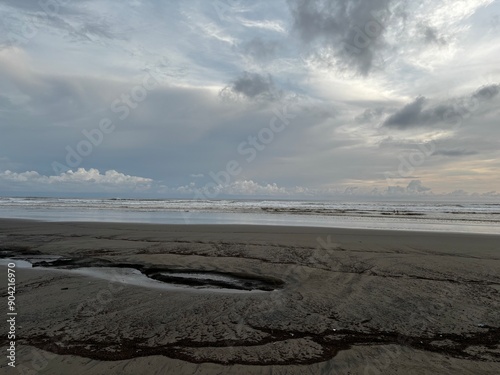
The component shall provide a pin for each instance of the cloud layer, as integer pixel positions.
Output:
(306, 98)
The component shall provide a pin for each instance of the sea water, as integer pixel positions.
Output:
(472, 217)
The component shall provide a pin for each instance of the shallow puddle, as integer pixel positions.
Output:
(172, 280)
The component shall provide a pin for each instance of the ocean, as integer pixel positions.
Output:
(470, 217)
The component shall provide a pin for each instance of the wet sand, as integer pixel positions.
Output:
(252, 300)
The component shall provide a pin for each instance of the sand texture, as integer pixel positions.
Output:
(251, 300)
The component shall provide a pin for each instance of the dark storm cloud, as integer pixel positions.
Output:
(455, 152)
(487, 92)
(252, 85)
(415, 114)
(410, 115)
(261, 49)
(353, 29)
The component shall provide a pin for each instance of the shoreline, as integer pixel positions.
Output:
(350, 300)
(303, 228)
(380, 215)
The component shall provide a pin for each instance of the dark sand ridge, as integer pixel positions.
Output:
(359, 301)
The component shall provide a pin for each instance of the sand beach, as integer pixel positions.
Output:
(122, 298)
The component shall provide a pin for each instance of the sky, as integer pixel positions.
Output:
(287, 99)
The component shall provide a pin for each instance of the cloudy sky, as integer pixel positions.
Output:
(202, 98)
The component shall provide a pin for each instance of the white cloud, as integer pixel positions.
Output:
(239, 187)
(253, 188)
(91, 180)
(81, 179)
